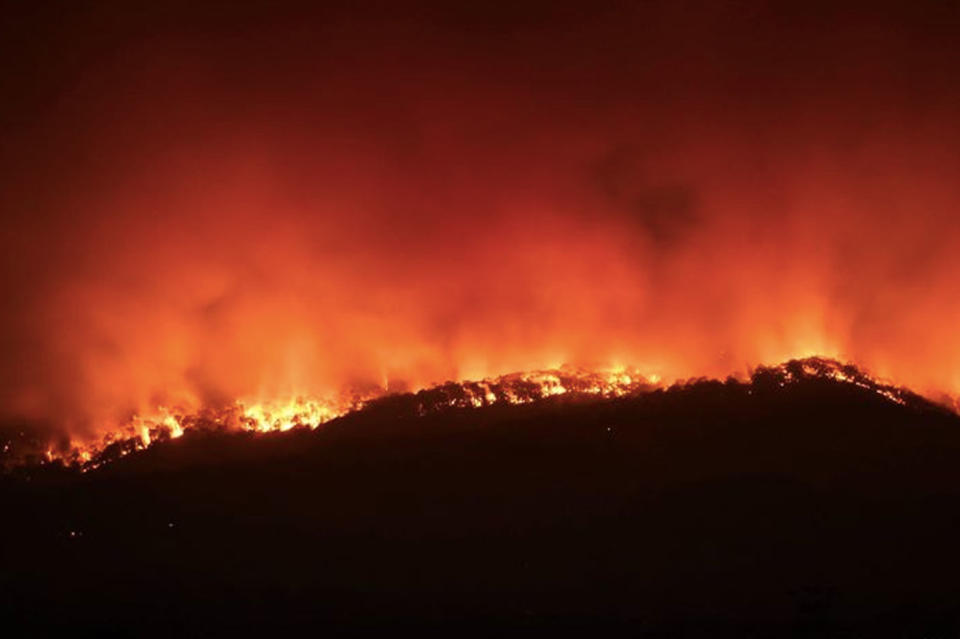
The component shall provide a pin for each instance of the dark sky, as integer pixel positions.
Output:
(212, 200)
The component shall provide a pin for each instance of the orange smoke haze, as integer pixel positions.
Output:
(255, 204)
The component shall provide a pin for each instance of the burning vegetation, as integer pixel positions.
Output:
(166, 424)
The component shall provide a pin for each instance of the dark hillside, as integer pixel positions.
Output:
(796, 505)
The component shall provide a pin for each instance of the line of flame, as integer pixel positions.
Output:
(518, 388)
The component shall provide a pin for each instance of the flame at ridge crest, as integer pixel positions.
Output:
(517, 388)
(167, 423)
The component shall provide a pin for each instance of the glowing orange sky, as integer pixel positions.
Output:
(206, 206)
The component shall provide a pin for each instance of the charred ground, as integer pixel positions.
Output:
(794, 504)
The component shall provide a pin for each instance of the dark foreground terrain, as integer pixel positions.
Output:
(813, 509)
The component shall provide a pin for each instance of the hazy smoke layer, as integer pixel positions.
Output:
(232, 202)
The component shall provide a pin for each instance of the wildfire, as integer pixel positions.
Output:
(298, 412)
(404, 201)
(144, 431)
(818, 367)
(166, 424)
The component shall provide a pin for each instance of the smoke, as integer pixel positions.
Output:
(204, 205)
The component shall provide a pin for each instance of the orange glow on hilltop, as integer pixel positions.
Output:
(219, 219)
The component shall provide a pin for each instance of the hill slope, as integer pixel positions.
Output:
(802, 503)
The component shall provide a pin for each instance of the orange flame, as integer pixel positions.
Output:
(517, 388)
